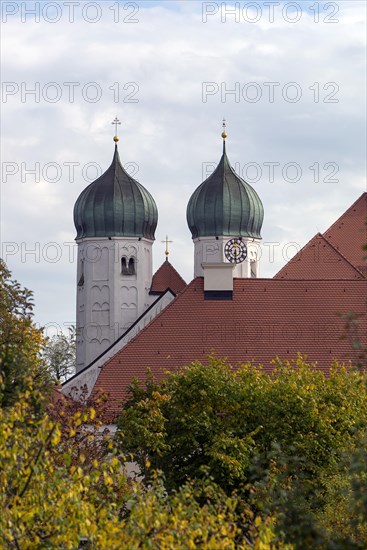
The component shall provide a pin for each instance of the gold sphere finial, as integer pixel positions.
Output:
(224, 133)
(166, 242)
(116, 122)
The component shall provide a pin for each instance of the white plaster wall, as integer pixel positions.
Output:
(218, 276)
(108, 301)
(209, 250)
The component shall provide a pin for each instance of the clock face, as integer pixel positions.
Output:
(235, 251)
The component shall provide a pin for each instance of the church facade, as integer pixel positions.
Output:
(228, 310)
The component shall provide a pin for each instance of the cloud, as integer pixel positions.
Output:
(292, 93)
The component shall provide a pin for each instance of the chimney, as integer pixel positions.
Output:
(218, 281)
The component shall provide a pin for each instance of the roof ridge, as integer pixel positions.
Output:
(297, 253)
(318, 235)
(174, 269)
(346, 211)
(167, 276)
(100, 356)
(342, 255)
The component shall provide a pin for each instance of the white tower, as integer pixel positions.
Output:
(115, 218)
(225, 216)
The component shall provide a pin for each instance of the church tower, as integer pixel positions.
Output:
(225, 216)
(115, 218)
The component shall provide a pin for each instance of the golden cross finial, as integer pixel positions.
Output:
(224, 133)
(166, 242)
(116, 122)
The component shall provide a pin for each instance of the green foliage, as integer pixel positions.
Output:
(345, 513)
(50, 499)
(198, 515)
(276, 439)
(219, 417)
(20, 344)
(47, 500)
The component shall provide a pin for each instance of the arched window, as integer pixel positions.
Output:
(124, 266)
(127, 267)
(81, 279)
(132, 266)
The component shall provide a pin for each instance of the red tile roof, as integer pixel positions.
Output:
(319, 259)
(166, 277)
(57, 397)
(266, 317)
(349, 233)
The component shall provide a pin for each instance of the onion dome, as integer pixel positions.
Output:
(115, 205)
(224, 204)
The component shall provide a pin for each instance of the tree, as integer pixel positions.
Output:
(344, 516)
(50, 500)
(59, 354)
(275, 439)
(20, 343)
(92, 441)
(47, 500)
(216, 416)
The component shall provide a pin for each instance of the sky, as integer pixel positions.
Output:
(288, 77)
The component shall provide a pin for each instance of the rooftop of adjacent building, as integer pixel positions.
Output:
(337, 253)
(266, 317)
(166, 277)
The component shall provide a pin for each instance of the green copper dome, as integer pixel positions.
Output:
(115, 205)
(224, 204)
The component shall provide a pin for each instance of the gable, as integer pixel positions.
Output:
(349, 233)
(166, 277)
(318, 259)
